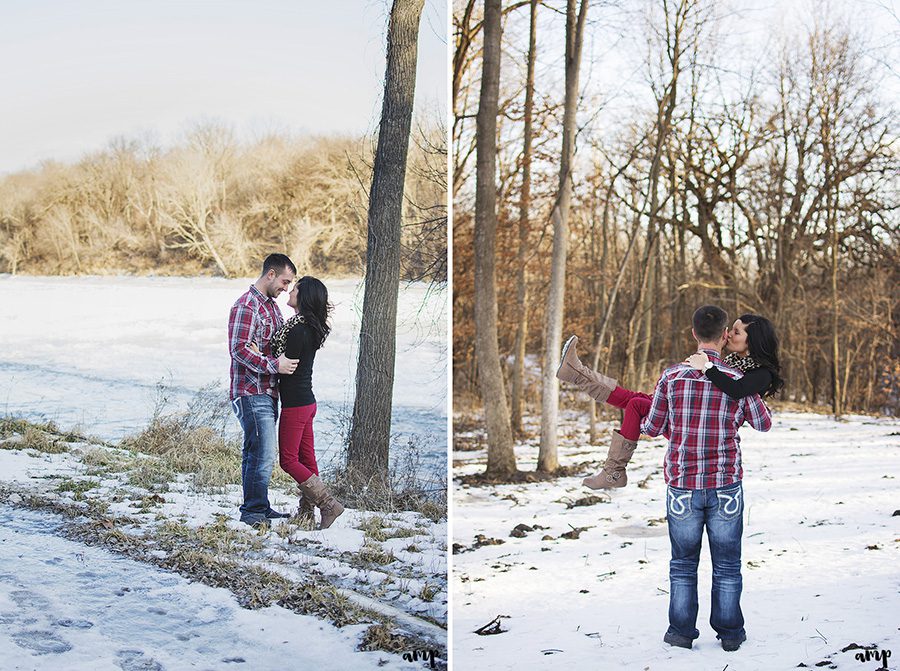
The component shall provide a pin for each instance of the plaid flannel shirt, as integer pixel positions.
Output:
(254, 318)
(702, 422)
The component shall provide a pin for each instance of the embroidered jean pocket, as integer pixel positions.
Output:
(678, 504)
(731, 502)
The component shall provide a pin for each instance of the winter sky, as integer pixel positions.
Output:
(78, 74)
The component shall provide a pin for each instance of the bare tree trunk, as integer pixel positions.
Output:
(518, 381)
(501, 460)
(547, 454)
(835, 310)
(370, 428)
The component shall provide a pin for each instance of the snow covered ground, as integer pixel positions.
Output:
(393, 565)
(64, 605)
(89, 352)
(821, 551)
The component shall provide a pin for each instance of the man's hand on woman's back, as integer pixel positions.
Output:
(287, 366)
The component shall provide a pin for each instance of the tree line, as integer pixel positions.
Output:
(214, 205)
(767, 185)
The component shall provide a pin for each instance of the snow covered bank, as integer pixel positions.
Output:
(820, 554)
(368, 568)
(65, 605)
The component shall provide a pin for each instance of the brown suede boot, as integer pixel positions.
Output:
(305, 509)
(597, 386)
(613, 474)
(314, 489)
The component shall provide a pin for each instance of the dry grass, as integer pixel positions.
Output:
(78, 487)
(43, 441)
(405, 489)
(428, 592)
(383, 637)
(372, 553)
(104, 459)
(189, 442)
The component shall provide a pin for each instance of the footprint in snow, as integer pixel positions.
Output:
(74, 624)
(134, 660)
(26, 599)
(41, 642)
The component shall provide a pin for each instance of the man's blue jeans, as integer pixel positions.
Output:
(257, 417)
(721, 511)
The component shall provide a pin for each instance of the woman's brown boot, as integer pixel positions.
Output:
(330, 508)
(596, 385)
(613, 474)
(305, 509)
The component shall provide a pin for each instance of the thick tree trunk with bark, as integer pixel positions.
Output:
(501, 458)
(370, 429)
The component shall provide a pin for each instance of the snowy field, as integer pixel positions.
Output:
(821, 557)
(89, 352)
(67, 606)
(134, 616)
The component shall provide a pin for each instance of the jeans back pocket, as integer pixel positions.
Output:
(678, 502)
(731, 502)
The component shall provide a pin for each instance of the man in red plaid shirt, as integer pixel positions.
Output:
(253, 321)
(703, 477)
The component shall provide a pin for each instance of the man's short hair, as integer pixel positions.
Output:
(709, 321)
(278, 262)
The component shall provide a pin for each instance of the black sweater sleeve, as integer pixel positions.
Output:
(754, 382)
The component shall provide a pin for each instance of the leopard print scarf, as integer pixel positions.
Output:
(743, 364)
(280, 338)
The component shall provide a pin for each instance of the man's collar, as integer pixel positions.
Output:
(713, 355)
(261, 295)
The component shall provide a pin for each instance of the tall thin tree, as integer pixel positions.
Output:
(370, 429)
(518, 377)
(547, 454)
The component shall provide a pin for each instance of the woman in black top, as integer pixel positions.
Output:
(752, 348)
(300, 338)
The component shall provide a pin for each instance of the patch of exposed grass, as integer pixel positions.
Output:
(104, 460)
(146, 503)
(412, 548)
(428, 592)
(403, 532)
(77, 486)
(174, 530)
(373, 527)
(98, 507)
(214, 461)
(193, 441)
(372, 553)
(382, 636)
(380, 529)
(216, 537)
(42, 441)
(151, 474)
(11, 425)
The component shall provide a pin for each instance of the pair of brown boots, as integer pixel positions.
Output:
(598, 387)
(314, 495)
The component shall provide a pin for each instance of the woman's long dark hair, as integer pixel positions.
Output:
(312, 303)
(763, 345)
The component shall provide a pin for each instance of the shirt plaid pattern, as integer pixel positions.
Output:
(702, 422)
(254, 318)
